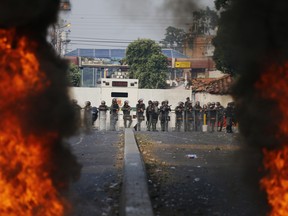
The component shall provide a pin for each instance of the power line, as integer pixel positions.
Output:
(97, 16)
(110, 39)
(102, 45)
(101, 41)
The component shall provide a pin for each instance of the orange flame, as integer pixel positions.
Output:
(26, 187)
(274, 86)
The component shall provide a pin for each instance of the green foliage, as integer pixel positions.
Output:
(174, 37)
(204, 21)
(226, 48)
(147, 63)
(224, 55)
(74, 75)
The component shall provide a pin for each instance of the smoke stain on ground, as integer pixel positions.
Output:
(214, 183)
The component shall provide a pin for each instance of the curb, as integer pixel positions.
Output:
(135, 200)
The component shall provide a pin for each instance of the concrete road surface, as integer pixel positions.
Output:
(97, 192)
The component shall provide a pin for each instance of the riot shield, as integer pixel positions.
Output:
(102, 120)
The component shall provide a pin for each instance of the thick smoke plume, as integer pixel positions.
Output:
(52, 110)
(39, 14)
(252, 36)
(182, 10)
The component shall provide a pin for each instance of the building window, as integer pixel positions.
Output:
(119, 94)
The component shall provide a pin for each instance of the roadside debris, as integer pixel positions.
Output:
(191, 156)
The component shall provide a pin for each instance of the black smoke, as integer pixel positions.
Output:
(50, 111)
(182, 10)
(252, 36)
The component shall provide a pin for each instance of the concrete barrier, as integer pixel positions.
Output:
(135, 200)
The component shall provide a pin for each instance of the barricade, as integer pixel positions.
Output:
(196, 121)
(102, 120)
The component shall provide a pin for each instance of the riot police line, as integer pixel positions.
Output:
(160, 117)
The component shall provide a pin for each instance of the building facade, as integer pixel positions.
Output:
(106, 63)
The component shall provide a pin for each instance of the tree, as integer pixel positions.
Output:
(224, 53)
(204, 23)
(147, 63)
(74, 75)
(225, 43)
(174, 37)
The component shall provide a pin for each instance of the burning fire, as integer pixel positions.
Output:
(26, 185)
(274, 86)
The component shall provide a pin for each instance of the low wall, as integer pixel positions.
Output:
(204, 98)
(96, 95)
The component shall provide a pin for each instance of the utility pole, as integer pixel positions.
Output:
(58, 34)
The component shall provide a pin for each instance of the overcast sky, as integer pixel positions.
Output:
(114, 23)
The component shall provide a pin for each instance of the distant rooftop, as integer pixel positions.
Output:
(117, 53)
(220, 86)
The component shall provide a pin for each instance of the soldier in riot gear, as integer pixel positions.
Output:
(149, 114)
(77, 113)
(208, 105)
(198, 116)
(212, 116)
(229, 113)
(220, 116)
(140, 108)
(103, 106)
(87, 117)
(114, 109)
(102, 115)
(187, 101)
(126, 114)
(190, 115)
(234, 116)
(204, 113)
(94, 115)
(179, 116)
(164, 115)
(185, 113)
(155, 115)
